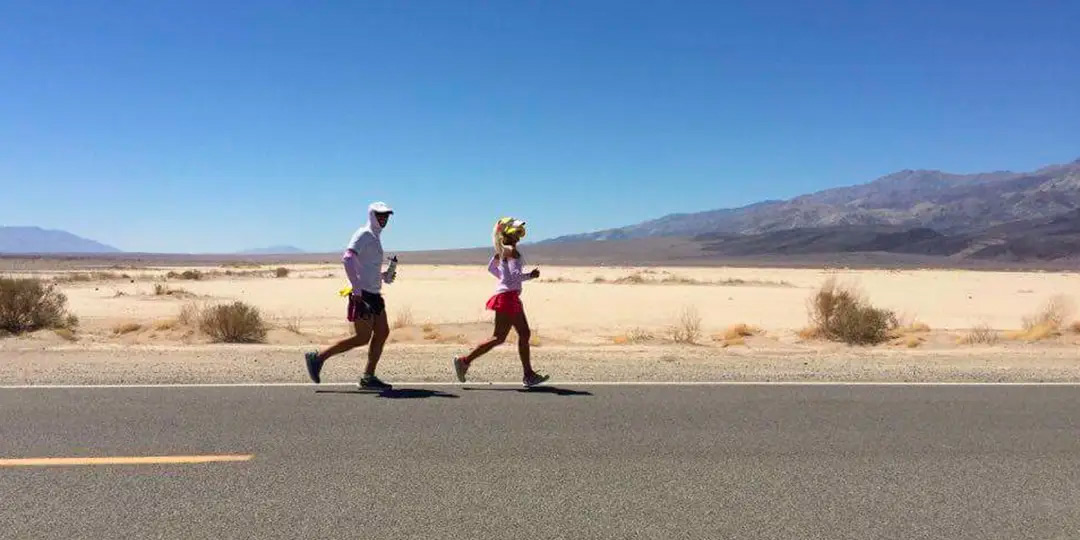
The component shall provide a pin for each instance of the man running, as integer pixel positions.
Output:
(363, 260)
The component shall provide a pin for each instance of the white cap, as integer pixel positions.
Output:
(381, 208)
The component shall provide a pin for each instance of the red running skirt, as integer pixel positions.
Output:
(508, 302)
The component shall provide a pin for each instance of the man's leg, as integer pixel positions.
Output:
(379, 334)
(363, 329)
(315, 360)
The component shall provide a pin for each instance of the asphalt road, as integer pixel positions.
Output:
(582, 462)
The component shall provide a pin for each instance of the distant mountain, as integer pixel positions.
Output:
(38, 240)
(1045, 239)
(273, 250)
(949, 204)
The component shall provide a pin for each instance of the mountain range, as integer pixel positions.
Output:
(987, 215)
(273, 250)
(38, 240)
(999, 215)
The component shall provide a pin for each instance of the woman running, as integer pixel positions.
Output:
(507, 266)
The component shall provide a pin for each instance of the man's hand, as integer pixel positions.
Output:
(535, 273)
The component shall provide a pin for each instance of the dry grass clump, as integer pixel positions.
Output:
(681, 280)
(534, 337)
(839, 313)
(980, 335)
(666, 278)
(687, 327)
(30, 304)
(637, 278)
(430, 332)
(1075, 327)
(281, 272)
(915, 328)
(233, 323)
(909, 334)
(161, 289)
(191, 314)
(126, 328)
(736, 334)
(84, 277)
(741, 330)
(292, 324)
(190, 275)
(733, 342)
(911, 341)
(635, 336)
(166, 324)
(66, 334)
(403, 319)
(557, 280)
(1047, 323)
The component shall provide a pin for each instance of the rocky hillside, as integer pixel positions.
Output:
(949, 204)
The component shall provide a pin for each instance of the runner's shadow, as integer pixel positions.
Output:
(394, 393)
(554, 390)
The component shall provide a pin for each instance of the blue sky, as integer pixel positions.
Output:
(198, 126)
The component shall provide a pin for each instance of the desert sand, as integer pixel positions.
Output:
(587, 321)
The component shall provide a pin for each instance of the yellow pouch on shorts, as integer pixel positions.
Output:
(346, 291)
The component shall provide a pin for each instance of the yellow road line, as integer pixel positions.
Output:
(137, 460)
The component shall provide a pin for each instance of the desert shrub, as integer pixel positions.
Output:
(840, 314)
(636, 278)
(281, 272)
(980, 335)
(190, 314)
(687, 327)
(29, 304)
(233, 323)
(1047, 322)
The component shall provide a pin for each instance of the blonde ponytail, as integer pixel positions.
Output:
(497, 240)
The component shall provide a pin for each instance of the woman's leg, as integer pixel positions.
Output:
(503, 324)
(521, 326)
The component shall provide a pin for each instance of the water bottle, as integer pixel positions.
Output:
(391, 269)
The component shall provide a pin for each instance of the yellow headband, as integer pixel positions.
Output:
(512, 227)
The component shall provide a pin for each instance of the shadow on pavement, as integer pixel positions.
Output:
(536, 390)
(395, 393)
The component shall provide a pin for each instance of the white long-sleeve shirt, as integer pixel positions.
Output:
(365, 273)
(510, 272)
